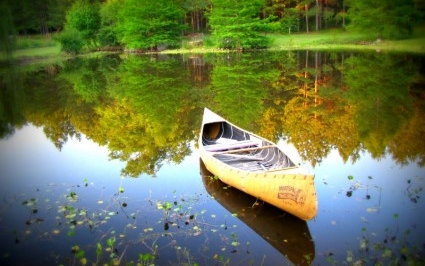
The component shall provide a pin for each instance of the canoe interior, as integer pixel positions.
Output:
(242, 150)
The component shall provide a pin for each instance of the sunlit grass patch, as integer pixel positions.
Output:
(340, 40)
(38, 51)
(330, 37)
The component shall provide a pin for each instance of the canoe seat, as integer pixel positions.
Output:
(231, 145)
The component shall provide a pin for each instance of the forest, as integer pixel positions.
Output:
(232, 24)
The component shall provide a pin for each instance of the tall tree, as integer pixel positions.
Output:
(109, 19)
(150, 23)
(38, 16)
(7, 43)
(84, 16)
(305, 8)
(195, 10)
(387, 19)
(237, 25)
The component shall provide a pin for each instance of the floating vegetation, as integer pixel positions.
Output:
(413, 190)
(178, 229)
(356, 185)
(143, 239)
(391, 248)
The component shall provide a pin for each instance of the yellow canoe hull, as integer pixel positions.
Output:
(286, 233)
(291, 189)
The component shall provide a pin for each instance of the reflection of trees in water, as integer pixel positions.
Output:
(363, 106)
(147, 109)
(11, 100)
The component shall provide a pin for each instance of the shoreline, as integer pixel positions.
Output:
(323, 41)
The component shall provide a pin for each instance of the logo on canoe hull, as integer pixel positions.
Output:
(290, 193)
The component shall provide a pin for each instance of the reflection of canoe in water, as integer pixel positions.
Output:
(256, 166)
(288, 234)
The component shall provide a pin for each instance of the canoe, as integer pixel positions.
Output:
(286, 233)
(256, 166)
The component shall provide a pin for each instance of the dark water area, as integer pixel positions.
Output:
(99, 162)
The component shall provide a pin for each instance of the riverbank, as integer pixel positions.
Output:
(331, 40)
(46, 49)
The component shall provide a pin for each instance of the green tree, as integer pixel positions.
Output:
(84, 17)
(195, 13)
(387, 19)
(148, 24)
(7, 42)
(38, 16)
(57, 13)
(109, 18)
(71, 41)
(237, 24)
(290, 20)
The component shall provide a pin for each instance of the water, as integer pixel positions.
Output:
(99, 163)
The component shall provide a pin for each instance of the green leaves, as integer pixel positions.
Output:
(236, 24)
(148, 24)
(71, 41)
(85, 18)
(387, 19)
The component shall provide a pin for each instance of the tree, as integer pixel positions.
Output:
(388, 19)
(7, 43)
(150, 23)
(304, 7)
(38, 16)
(57, 13)
(290, 20)
(71, 41)
(109, 18)
(237, 25)
(85, 18)
(196, 9)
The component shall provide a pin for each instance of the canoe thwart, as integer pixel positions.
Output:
(231, 146)
(243, 150)
(241, 156)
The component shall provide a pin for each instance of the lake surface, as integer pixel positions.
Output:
(99, 161)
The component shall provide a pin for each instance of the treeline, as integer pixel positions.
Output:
(235, 24)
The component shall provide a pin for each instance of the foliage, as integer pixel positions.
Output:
(237, 25)
(71, 41)
(149, 24)
(381, 108)
(388, 19)
(109, 17)
(290, 20)
(38, 16)
(84, 17)
(7, 43)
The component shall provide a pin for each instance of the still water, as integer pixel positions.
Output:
(99, 163)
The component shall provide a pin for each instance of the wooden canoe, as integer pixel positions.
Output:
(286, 233)
(256, 166)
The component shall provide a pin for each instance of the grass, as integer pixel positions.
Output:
(37, 48)
(338, 40)
(39, 51)
(330, 40)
